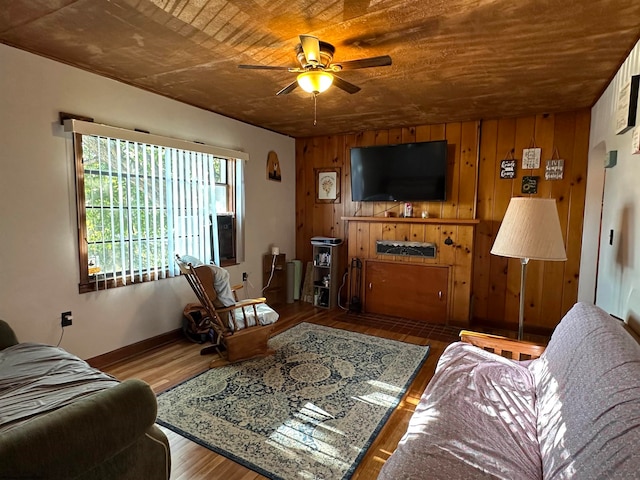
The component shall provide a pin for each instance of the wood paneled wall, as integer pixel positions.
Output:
(551, 287)
(475, 190)
(324, 219)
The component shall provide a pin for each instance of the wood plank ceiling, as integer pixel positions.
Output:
(453, 60)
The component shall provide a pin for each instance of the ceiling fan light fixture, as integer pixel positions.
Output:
(315, 81)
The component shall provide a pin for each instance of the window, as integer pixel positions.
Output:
(141, 202)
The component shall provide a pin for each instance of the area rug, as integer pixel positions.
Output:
(310, 411)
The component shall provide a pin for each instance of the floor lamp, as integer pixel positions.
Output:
(530, 230)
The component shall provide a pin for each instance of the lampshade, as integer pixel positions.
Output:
(530, 229)
(315, 81)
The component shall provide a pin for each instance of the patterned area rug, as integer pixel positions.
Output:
(310, 411)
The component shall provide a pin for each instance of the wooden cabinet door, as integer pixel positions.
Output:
(418, 292)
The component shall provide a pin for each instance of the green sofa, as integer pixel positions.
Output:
(62, 419)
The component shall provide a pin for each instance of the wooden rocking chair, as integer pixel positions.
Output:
(243, 328)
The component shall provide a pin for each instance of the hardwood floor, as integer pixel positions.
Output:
(171, 364)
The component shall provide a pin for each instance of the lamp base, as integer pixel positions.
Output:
(523, 275)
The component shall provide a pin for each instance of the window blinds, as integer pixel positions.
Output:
(146, 202)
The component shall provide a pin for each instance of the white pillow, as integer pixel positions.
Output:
(222, 286)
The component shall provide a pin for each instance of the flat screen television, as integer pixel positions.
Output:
(406, 172)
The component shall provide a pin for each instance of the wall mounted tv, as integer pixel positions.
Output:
(406, 172)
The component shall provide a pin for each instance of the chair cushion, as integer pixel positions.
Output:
(222, 287)
(266, 316)
(588, 398)
(476, 419)
(39, 378)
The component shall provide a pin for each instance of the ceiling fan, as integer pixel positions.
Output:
(316, 72)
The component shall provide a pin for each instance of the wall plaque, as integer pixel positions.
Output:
(531, 158)
(530, 184)
(554, 170)
(508, 169)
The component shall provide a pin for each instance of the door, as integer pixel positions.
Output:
(418, 292)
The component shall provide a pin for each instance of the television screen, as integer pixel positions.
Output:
(407, 172)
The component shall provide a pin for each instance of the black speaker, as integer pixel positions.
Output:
(227, 237)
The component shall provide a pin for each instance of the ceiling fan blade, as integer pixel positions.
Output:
(263, 67)
(289, 88)
(383, 61)
(311, 48)
(344, 85)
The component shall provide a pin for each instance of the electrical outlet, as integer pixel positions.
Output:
(66, 319)
(244, 276)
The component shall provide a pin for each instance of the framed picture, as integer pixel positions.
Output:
(327, 185)
(627, 105)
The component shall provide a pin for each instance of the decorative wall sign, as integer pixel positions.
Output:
(531, 158)
(627, 105)
(554, 170)
(273, 167)
(530, 184)
(508, 169)
(635, 141)
(327, 185)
